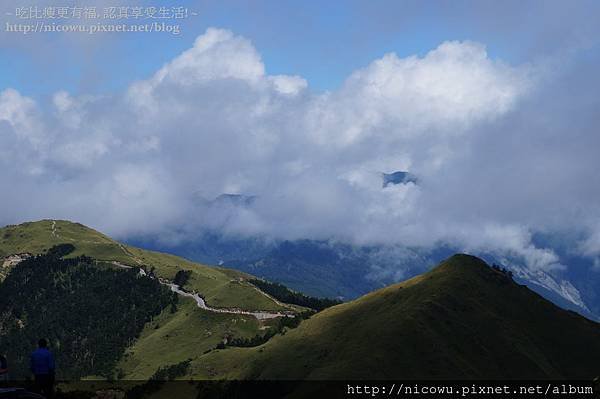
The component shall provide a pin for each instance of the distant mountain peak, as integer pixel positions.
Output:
(399, 177)
(227, 199)
(235, 199)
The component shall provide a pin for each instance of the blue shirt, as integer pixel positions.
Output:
(42, 362)
(3, 365)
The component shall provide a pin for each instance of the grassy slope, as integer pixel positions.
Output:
(460, 320)
(220, 287)
(187, 334)
(171, 337)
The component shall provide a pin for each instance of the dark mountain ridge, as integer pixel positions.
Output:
(461, 320)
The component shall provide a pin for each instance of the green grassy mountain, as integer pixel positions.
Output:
(167, 338)
(463, 319)
(220, 287)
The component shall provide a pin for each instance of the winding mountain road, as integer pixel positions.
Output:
(202, 304)
(260, 315)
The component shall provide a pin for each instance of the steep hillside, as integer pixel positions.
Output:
(220, 287)
(89, 313)
(158, 339)
(229, 305)
(463, 319)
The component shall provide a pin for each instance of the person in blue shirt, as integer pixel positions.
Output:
(3, 368)
(43, 368)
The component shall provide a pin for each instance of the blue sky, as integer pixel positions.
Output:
(321, 41)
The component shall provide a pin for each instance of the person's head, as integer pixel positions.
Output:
(42, 343)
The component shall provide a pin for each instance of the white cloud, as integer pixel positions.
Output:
(474, 130)
(216, 55)
(288, 84)
(444, 93)
(20, 113)
(590, 246)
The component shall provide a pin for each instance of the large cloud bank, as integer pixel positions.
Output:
(501, 152)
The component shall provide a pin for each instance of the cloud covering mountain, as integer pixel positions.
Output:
(501, 151)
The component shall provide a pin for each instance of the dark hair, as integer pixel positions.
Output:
(42, 343)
